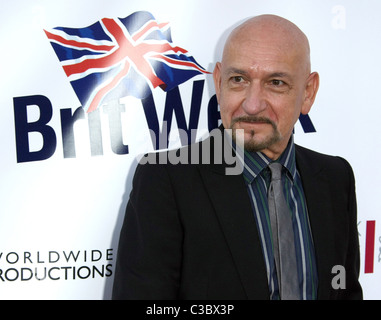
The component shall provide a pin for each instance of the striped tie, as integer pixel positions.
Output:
(283, 237)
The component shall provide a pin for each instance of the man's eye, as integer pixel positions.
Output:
(277, 83)
(237, 79)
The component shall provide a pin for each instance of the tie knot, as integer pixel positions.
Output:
(276, 171)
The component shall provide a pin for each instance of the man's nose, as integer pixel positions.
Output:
(254, 102)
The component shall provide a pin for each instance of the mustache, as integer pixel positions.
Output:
(253, 119)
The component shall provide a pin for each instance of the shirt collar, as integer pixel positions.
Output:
(255, 162)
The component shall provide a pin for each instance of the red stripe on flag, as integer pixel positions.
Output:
(369, 246)
(180, 63)
(77, 44)
(149, 26)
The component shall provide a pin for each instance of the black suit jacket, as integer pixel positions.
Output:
(190, 233)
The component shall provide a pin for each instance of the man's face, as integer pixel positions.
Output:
(261, 87)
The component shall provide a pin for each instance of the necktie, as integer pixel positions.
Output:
(283, 237)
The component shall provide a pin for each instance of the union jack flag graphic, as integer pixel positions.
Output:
(121, 57)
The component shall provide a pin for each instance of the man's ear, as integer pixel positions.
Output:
(311, 90)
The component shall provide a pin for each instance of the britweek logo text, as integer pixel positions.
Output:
(68, 118)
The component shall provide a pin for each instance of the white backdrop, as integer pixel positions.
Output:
(60, 216)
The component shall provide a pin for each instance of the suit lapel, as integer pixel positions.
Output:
(320, 212)
(230, 199)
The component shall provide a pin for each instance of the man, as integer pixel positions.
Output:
(191, 231)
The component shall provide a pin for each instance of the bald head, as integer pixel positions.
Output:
(275, 31)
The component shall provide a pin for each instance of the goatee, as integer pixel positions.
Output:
(250, 144)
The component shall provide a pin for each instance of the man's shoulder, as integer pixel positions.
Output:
(312, 154)
(314, 161)
(316, 156)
